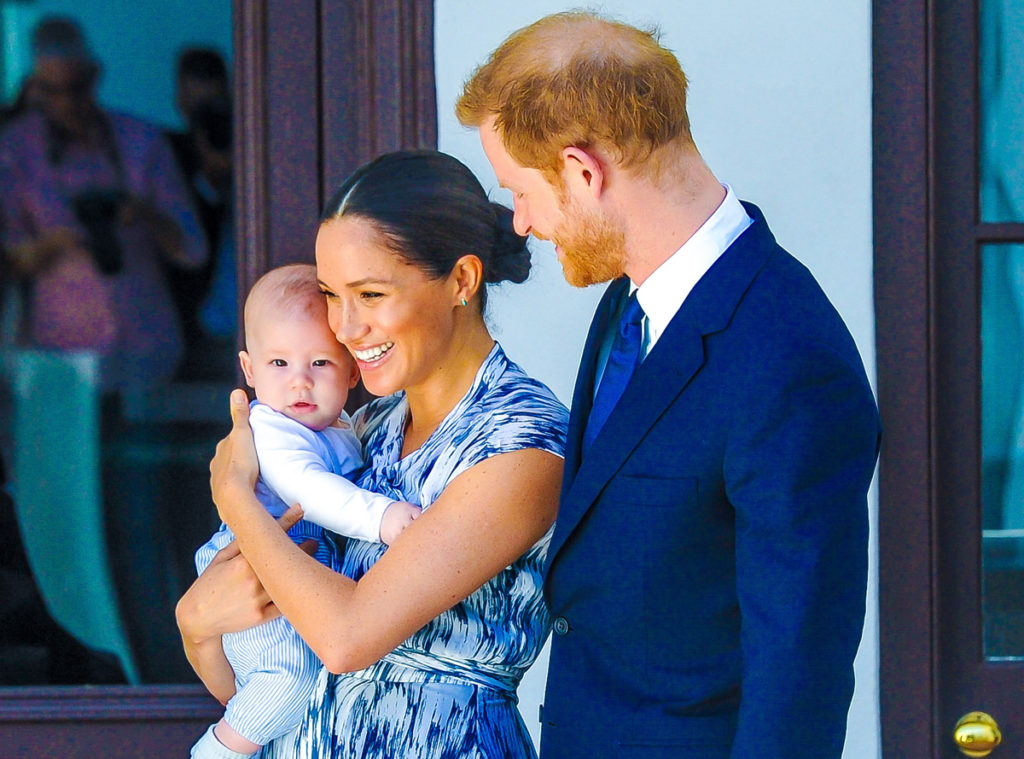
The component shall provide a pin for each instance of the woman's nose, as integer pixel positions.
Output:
(344, 321)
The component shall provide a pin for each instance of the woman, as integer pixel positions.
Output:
(423, 643)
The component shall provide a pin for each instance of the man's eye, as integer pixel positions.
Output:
(370, 295)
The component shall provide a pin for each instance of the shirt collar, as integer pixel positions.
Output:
(664, 291)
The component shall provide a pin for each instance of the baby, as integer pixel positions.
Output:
(306, 448)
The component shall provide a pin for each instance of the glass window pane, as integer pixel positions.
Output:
(1001, 94)
(117, 347)
(1002, 448)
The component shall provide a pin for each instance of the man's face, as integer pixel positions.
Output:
(589, 245)
(535, 201)
(64, 89)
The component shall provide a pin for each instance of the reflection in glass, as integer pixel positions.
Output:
(1002, 448)
(104, 449)
(1001, 87)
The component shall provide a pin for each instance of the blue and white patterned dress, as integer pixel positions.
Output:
(450, 689)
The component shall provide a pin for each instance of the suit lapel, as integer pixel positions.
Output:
(583, 393)
(659, 380)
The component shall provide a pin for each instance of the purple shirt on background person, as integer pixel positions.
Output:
(126, 314)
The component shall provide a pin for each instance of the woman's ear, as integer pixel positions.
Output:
(583, 171)
(467, 277)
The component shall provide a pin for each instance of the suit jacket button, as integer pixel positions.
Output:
(560, 626)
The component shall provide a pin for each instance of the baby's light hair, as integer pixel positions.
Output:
(290, 290)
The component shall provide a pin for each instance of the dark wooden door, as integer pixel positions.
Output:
(948, 239)
(320, 87)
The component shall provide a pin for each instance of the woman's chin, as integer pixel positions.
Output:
(378, 383)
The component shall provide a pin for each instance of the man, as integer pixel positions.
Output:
(92, 203)
(707, 571)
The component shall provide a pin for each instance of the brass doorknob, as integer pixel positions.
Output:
(976, 734)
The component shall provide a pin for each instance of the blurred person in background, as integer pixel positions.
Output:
(206, 297)
(93, 202)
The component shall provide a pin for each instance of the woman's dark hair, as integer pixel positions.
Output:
(432, 211)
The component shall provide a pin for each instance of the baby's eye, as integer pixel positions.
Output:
(278, 362)
(321, 362)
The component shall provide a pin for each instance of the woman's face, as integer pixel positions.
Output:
(396, 320)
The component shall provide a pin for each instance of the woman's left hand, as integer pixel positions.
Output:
(234, 468)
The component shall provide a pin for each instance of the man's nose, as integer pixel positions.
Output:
(520, 222)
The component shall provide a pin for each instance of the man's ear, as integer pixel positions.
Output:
(583, 171)
(246, 361)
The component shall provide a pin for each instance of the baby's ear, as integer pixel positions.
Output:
(353, 379)
(246, 362)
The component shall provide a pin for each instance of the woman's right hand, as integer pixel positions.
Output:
(226, 598)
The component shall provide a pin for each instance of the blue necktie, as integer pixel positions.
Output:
(622, 362)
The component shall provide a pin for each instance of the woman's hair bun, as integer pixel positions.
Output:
(510, 257)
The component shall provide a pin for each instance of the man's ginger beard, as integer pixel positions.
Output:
(593, 246)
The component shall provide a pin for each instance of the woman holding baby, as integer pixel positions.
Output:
(423, 642)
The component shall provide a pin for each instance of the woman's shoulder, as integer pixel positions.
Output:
(508, 385)
(513, 407)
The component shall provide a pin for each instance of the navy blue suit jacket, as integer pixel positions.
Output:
(708, 566)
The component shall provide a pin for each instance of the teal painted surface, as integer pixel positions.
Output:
(58, 497)
(137, 42)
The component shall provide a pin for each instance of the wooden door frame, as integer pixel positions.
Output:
(925, 147)
(315, 107)
(308, 75)
(903, 261)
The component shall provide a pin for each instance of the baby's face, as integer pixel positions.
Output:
(297, 367)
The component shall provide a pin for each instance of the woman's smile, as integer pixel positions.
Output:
(374, 354)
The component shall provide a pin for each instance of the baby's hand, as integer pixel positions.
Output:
(397, 517)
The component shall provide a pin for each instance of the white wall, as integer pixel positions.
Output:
(780, 105)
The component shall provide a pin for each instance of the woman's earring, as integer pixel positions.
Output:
(464, 302)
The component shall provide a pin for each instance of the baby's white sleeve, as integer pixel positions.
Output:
(292, 465)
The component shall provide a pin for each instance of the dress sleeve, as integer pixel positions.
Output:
(293, 465)
(519, 415)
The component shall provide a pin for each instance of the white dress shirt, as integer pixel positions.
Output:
(664, 291)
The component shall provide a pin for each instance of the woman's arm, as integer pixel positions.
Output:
(486, 519)
(227, 597)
